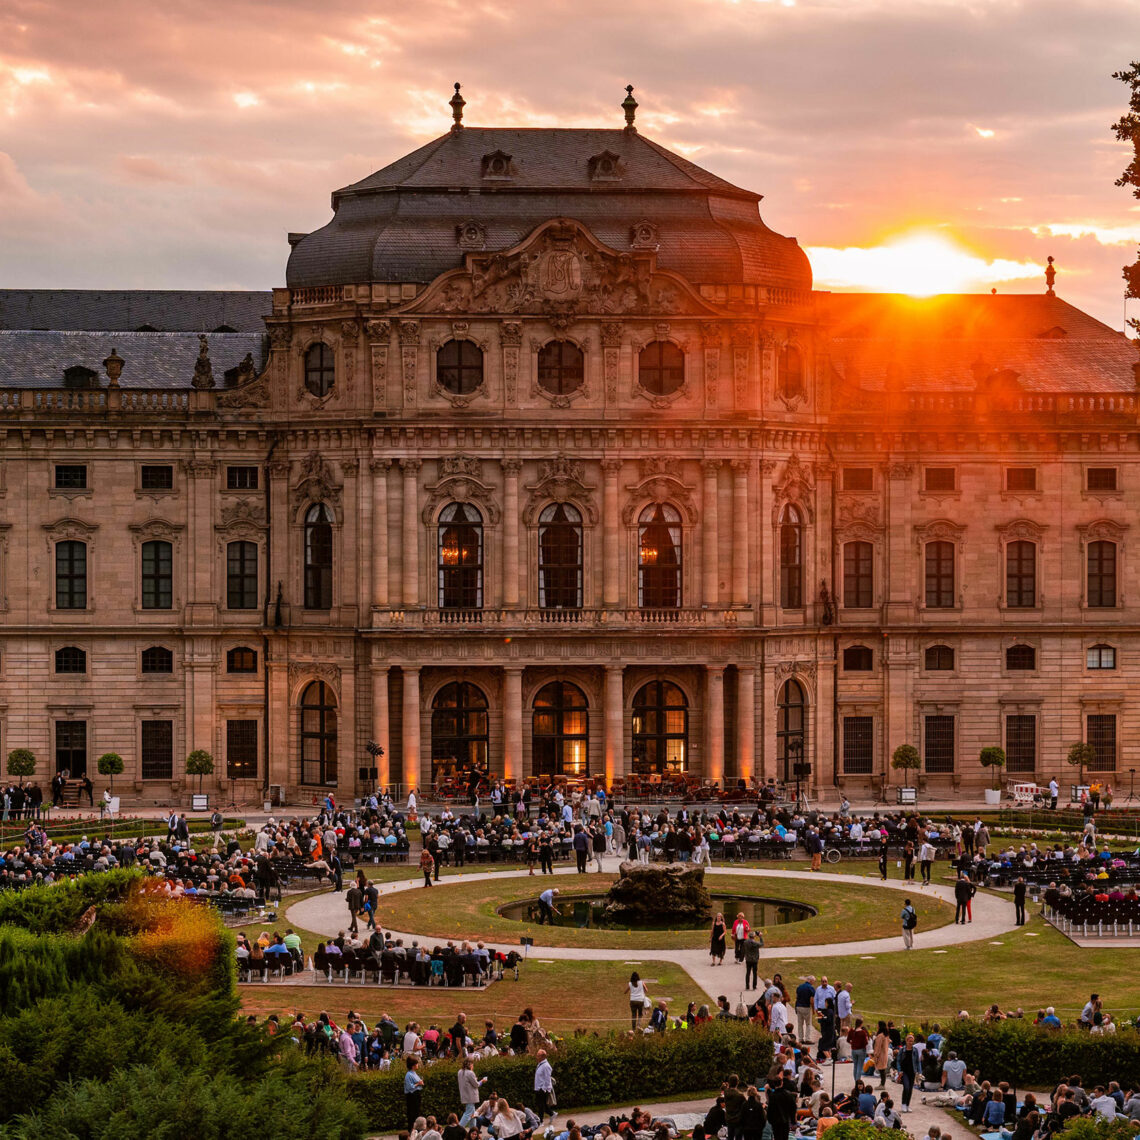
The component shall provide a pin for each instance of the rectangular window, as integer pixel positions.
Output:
(858, 575)
(939, 479)
(1021, 478)
(241, 576)
(70, 476)
(1101, 479)
(858, 478)
(156, 477)
(1020, 744)
(1102, 575)
(241, 749)
(939, 744)
(1021, 575)
(1101, 734)
(157, 576)
(241, 478)
(71, 575)
(71, 747)
(940, 576)
(858, 745)
(158, 750)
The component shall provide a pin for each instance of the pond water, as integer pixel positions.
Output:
(585, 912)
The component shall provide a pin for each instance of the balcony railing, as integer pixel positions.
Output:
(88, 401)
(568, 618)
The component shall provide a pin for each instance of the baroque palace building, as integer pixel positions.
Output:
(548, 458)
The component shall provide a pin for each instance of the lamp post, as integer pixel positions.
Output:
(796, 752)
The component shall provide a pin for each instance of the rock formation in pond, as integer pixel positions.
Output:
(658, 894)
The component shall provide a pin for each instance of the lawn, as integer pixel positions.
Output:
(470, 911)
(565, 996)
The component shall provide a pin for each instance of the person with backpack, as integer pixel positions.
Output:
(909, 924)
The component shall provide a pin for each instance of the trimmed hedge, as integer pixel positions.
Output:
(1018, 1051)
(587, 1071)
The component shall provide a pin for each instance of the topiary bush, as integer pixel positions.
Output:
(21, 762)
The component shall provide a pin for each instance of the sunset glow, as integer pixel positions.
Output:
(920, 264)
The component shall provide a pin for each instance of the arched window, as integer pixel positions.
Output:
(241, 575)
(659, 558)
(1021, 575)
(791, 558)
(790, 372)
(858, 659)
(939, 658)
(661, 367)
(791, 743)
(318, 735)
(320, 369)
(157, 575)
(939, 575)
(560, 731)
(318, 558)
(458, 730)
(459, 367)
(858, 575)
(460, 557)
(1021, 657)
(560, 557)
(660, 729)
(70, 659)
(157, 659)
(561, 368)
(1102, 575)
(241, 660)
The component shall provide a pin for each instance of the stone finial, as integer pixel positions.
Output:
(1050, 277)
(457, 103)
(113, 366)
(203, 369)
(629, 106)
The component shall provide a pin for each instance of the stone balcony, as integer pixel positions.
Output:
(566, 619)
(35, 402)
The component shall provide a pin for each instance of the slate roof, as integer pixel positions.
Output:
(151, 360)
(399, 224)
(883, 342)
(170, 310)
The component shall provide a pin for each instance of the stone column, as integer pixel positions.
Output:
(611, 544)
(615, 724)
(412, 531)
(411, 727)
(380, 722)
(512, 723)
(711, 593)
(740, 516)
(746, 721)
(714, 712)
(380, 597)
(511, 469)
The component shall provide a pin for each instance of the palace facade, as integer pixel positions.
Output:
(548, 458)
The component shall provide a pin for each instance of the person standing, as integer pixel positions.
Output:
(1019, 902)
(638, 998)
(881, 1053)
(718, 940)
(907, 1063)
(739, 935)
(858, 1039)
(828, 1030)
(909, 924)
(543, 1088)
(963, 889)
(581, 848)
(908, 862)
(598, 841)
(546, 854)
(546, 911)
(751, 960)
(805, 996)
(733, 1106)
(427, 865)
(413, 1090)
(354, 898)
(926, 860)
(782, 1105)
(1054, 793)
(468, 1090)
(884, 855)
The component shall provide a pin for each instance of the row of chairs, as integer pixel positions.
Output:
(1092, 918)
(362, 965)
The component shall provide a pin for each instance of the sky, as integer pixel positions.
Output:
(918, 145)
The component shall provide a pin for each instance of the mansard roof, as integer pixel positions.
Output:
(400, 224)
(126, 310)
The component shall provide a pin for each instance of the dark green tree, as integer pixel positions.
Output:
(1127, 129)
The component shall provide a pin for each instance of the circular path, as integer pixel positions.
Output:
(325, 914)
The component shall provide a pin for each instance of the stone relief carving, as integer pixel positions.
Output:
(660, 483)
(857, 517)
(314, 671)
(800, 670)
(242, 513)
(1102, 529)
(940, 530)
(70, 530)
(409, 354)
(796, 486)
(316, 483)
(156, 528)
(461, 482)
(560, 480)
(471, 234)
(1021, 529)
(461, 465)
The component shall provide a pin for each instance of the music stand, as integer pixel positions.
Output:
(1131, 786)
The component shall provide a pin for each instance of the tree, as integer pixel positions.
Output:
(906, 759)
(993, 758)
(199, 763)
(110, 764)
(21, 762)
(1127, 129)
(1080, 754)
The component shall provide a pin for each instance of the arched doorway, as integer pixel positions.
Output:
(318, 735)
(459, 736)
(791, 741)
(560, 731)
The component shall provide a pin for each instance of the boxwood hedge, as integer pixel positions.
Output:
(588, 1070)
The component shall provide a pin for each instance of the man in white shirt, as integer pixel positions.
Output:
(543, 1088)
(778, 1018)
(844, 1006)
(953, 1072)
(823, 991)
(1103, 1104)
(1054, 793)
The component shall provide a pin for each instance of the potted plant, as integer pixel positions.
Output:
(993, 758)
(906, 759)
(110, 764)
(199, 763)
(21, 762)
(1079, 755)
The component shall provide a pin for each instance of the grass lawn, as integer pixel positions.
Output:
(565, 996)
(469, 911)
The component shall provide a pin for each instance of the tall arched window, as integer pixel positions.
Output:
(1102, 575)
(790, 372)
(318, 558)
(157, 575)
(460, 557)
(318, 735)
(561, 368)
(661, 367)
(458, 730)
(659, 562)
(1021, 575)
(660, 729)
(560, 557)
(791, 740)
(320, 369)
(858, 575)
(459, 367)
(560, 731)
(791, 558)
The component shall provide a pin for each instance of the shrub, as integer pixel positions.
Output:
(21, 762)
(1093, 1128)
(587, 1070)
(1080, 756)
(1019, 1052)
(199, 763)
(906, 759)
(993, 758)
(864, 1130)
(110, 764)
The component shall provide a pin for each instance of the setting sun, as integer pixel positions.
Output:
(920, 264)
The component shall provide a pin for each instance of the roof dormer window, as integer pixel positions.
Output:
(605, 167)
(498, 166)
